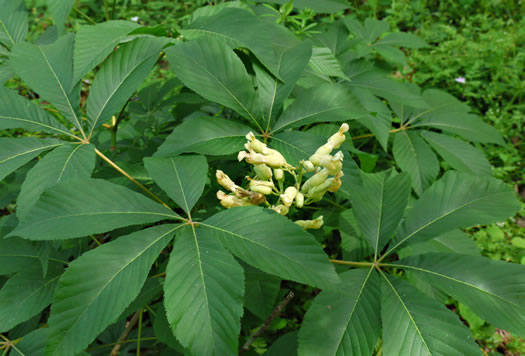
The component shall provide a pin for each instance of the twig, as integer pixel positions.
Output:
(125, 334)
(268, 320)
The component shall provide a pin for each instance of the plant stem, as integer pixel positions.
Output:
(120, 343)
(352, 263)
(95, 239)
(106, 9)
(372, 135)
(113, 9)
(125, 174)
(139, 332)
(268, 320)
(121, 340)
(89, 19)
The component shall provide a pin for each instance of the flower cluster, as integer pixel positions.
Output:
(270, 167)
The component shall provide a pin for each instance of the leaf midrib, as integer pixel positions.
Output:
(37, 123)
(31, 151)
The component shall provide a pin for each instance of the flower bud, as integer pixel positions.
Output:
(229, 200)
(263, 171)
(288, 196)
(225, 181)
(315, 180)
(278, 173)
(299, 200)
(308, 166)
(261, 186)
(311, 224)
(255, 144)
(280, 209)
(338, 138)
(252, 157)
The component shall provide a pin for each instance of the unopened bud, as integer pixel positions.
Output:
(299, 200)
(338, 138)
(311, 224)
(275, 160)
(263, 171)
(315, 180)
(288, 196)
(308, 166)
(262, 187)
(255, 144)
(229, 200)
(278, 173)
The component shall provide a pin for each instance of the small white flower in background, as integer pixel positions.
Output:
(461, 80)
(134, 18)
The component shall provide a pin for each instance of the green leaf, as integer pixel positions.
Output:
(211, 69)
(456, 200)
(271, 243)
(65, 163)
(273, 92)
(440, 104)
(26, 294)
(455, 241)
(296, 145)
(379, 118)
(260, 292)
(17, 255)
(469, 126)
(415, 324)
(13, 22)
(18, 112)
(493, 290)
(203, 294)
(369, 30)
(392, 54)
(183, 178)
(460, 155)
(402, 39)
(15, 152)
(414, 156)
(324, 62)
(94, 43)
(352, 314)
(378, 205)
(48, 70)
(239, 28)
(284, 345)
(324, 103)
(59, 10)
(99, 285)
(33, 344)
(378, 83)
(205, 135)
(81, 207)
(119, 77)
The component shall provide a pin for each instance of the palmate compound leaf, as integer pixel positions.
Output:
(18, 112)
(273, 244)
(203, 294)
(99, 285)
(344, 322)
(378, 205)
(414, 156)
(205, 135)
(415, 324)
(493, 290)
(182, 178)
(324, 103)
(456, 200)
(26, 294)
(211, 69)
(72, 161)
(119, 76)
(88, 206)
(15, 152)
(48, 70)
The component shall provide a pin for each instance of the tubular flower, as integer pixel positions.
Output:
(289, 195)
(225, 181)
(230, 200)
(311, 224)
(263, 171)
(261, 186)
